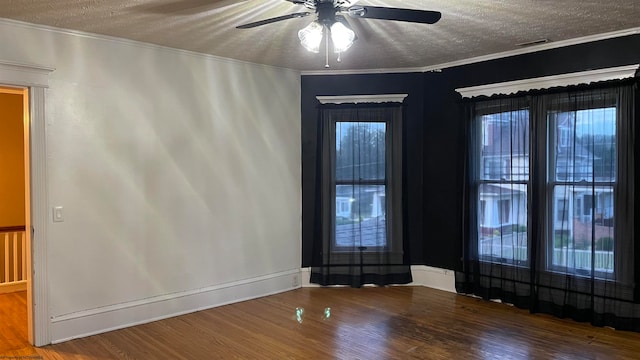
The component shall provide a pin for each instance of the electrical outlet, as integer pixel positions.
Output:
(295, 281)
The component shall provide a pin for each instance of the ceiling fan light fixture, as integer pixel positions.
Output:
(328, 19)
(311, 36)
(342, 37)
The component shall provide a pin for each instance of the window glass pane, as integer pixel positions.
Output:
(504, 153)
(585, 145)
(502, 221)
(562, 209)
(361, 215)
(360, 150)
(590, 231)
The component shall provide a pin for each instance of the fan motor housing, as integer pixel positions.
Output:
(326, 12)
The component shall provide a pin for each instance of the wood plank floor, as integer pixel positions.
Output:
(13, 323)
(367, 323)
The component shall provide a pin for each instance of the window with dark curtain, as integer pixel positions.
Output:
(550, 199)
(358, 237)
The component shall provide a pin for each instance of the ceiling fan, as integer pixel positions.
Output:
(330, 21)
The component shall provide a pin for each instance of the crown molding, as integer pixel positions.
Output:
(363, 71)
(477, 59)
(536, 48)
(139, 44)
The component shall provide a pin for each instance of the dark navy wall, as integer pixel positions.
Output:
(434, 132)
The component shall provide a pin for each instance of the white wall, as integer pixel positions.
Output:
(179, 175)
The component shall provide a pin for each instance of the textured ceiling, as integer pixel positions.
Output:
(468, 28)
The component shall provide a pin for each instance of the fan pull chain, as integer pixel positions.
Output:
(326, 47)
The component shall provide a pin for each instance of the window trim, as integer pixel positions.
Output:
(546, 82)
(359, 99)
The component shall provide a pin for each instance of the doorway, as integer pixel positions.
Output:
(15, 220)
(32, 81)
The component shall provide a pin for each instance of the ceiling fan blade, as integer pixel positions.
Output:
(275, 19)
(397, 14)
(345, 3)
(297, 2)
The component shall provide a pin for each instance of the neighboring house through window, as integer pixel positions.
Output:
(582, 134)
(579, 165)
(568, 246)
(360, 224)
(503, 159)
(361, 178)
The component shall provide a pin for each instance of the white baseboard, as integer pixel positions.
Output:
(95, 321)
(435, 278)
(100, 320)
(306, 276)
(13, 287)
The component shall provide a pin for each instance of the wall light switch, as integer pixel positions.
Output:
(57, 214)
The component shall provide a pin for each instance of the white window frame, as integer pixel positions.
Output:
(562, 80)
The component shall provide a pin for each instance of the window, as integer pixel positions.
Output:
(579, 172)
(586, 139)
(362, 150)
(578, 161)
(503, 211)
(502, 189)
(358, 235)
(562, 212)
(588, 209)
(361, 178)
(563, 136)
(495, 169)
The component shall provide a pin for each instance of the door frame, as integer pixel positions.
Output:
(34, 80)
(24, 93)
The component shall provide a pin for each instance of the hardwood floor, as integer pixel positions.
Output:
(13, 323)
(367, 323)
